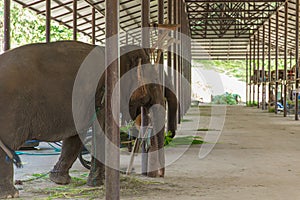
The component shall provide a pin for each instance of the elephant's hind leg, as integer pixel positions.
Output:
(7, 189)
(70, 150)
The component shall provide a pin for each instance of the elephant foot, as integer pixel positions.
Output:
(153, 174)
(8, 192)
(61, 178)
(161, 172)
(95, 181)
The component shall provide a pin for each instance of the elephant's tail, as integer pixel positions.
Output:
(11, 155)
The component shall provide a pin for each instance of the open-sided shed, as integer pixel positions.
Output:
(257, 31)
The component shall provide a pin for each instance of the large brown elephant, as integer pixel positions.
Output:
(36, 85)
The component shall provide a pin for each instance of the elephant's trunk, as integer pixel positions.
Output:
(172, 110)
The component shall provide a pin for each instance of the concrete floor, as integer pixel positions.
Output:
(257, 157)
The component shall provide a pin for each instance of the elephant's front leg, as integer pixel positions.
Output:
(7, 189)
(69, 153)
(156, 158)
(97, 172)
(161, 153)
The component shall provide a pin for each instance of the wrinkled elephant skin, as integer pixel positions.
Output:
(36, 84)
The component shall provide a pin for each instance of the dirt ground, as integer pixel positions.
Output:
(256, 157)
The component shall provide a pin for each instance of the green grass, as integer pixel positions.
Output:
(186, 120)
(185, 140)
(130, 185)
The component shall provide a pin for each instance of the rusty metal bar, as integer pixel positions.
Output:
(127, 39)
(247, 79)
(55, 7)
(254, 66)
(269, 64)
(286, 10)
(225, 18)
(170, 48)
(48, 20)
(6, 25)
(263, 72)
(238, 1)
(112, 152)
(297, 60)
(250, 68)
(175, 5)
(179, 56)
(258, 70)
(276, 64)
(145, 9)
(93, 25)
(34, 3)
(74, 19)
(160, 20)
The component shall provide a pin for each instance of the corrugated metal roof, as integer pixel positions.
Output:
(219, 29)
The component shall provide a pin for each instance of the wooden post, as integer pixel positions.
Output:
(177, 57)
(254, 66)
(263, 72)
(276, 63)
(247, 78)
(285, 58)
(175, 5)
(93, 25)
(250, 70)
(297, 60)
(269, 63)
(258, 70)
(48, 20)
(6, 25)
(145, 44)
(161, 21)
(112, 152)
(74, 19)
(170, 48)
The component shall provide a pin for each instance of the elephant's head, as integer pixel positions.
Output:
(135, 61)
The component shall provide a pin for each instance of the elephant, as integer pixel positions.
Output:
(129, 59)
(36, 85)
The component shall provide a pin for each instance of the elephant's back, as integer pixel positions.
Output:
(61, 57)
(36, 83)
(42, 64)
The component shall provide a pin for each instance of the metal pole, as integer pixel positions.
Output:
(93, 25)
(145, 6)
(183, 63)
(258, 70)
(48, 20)
(170, 48)
(247, 78)
(285, 57)
(297, 60)
(254, 66)
(161, 21)
(250, 69)
(179, 66)
(269, 63)
(6, 25)
(263, 72)
(127, 38)
(111, 77)
(74, 19)
(175, 5)
(276, 63)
